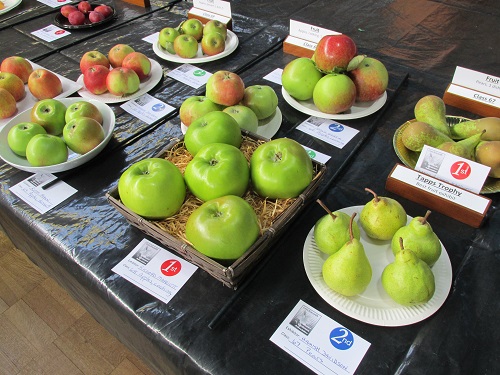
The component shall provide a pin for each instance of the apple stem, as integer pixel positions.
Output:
(376, 198)
(401, 243)
(351, 235)
(326, 209)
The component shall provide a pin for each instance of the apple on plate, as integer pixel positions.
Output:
(216, 170)
(84, 7)
(94, 79)
(215, 26)
(244, 116)
(117, 53)
(261, 99)
(334, 93)
(192, 27)
(370, 78)
(333, 53)
(91, 58)
(153, 188)
(225, 88)
(17, 65)
(214, 127)
(67, 9)
(104, 9)
(299, 78)
(20, 134)
(95, 17)
(46, 149)
(223, 228)
(166, 38)
(49, 113)
(280, 168)
(139, 63)
(13, 84)
(213, 43)
(83, 134)
(186, 46)
(194, 107)
(43, 84)
(76, 18)
(122, 81)
(83, 108)
(7, 104)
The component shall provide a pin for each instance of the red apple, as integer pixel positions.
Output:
(92, 58)
(76, 18)
(17, 65)
(43, 84)
(7, 104)
(95, 17)
(139, 63)
(84, 7)
(67, 9)
(94, 79)
(225, 88)
(117, 53)
(12, 84)
(104, 9)
(333, 53)
(370, 78)
(122, 81)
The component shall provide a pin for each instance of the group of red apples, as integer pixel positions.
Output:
(83, 11)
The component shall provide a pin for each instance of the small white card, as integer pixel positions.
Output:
(51, 33)
(55, 3)
(274, 76)
(30, 190)
(190, 75)
(222, 8)
(319, 342)
(458, 171)
(155, 270)
(477, 81)
(153, 38)
(147, 108)
(474, 95)
(309, 32)
(330, 131)
(316, 155)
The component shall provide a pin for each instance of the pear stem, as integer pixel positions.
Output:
(376, 198)
(351, 235)
(401, 243)
(424, 219)
(326, 209)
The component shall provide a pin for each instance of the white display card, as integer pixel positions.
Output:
(309, 32)
(274, 76)
(55, 3)
(190, 75)
(31, 191)
(222, 8)
(153, 38)
(476, 96)
(51, 33)
(330, 131)
(477, 81)
(316, 155)
(155, 270)
(319, 342)
(147, 108)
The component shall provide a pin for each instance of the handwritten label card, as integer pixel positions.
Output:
(147, 108)
(329, 131)
(212, 10)
(190, 75)
(319, 342)
(50, 33)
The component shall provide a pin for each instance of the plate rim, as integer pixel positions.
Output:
(10, 7)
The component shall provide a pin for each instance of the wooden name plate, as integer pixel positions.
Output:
(141, 3)
(473, 101)
(298, 47)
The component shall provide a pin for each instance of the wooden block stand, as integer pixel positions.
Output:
(473, 106)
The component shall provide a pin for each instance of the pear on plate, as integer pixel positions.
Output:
(420, 238)
(488, 153)
(408, 280)
(382, 217)
(348, 271)
(417, 134)
(464, 148)
(465, 129)
(331, 231)
(431, 109)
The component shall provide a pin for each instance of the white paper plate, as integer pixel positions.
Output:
(68, 86)
(231, 44)
(74, 160)
(374, 306)
(144, 87)
(9, 5)
(358, 110)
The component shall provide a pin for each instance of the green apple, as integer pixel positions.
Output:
(299, 78)
(261, 99)
(83, 109)
(244, 116)
(214, 127)
(192, 27)
(46, 149)
(83, 134)
(122, 81)
(223, 228)
(186, 46)
(280, 168)
(370, 78)
(194, 107)
(215, 26)
(167, 37)
(217, 169)
(213, 43)
(50, 113)
(20, 134)
(334, 93)
(153, 188)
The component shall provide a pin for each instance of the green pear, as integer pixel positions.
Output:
(432, 110)
(465, 129)
(408, 280)
(331, 231)
(488, 153)
(420, 238)
(382, 217)
(464, 148)
(348, 271)
(417, 134)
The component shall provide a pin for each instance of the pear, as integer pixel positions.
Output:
(432, 110)
(348, 271)
(488, 153)
(420, 238)
(417, 134)
(382, 217)
(408, 280)
(465, 129)
(464, 148)
(331, 231)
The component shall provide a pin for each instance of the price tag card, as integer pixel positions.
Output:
(477, 81)
(55, 3)
(155, 270)
(274, 76)
(153, 38)
(31, 191)
(330, 131)
(458, 171)
(319, 342)
(190, 75)
(147, 108)
(51, 33)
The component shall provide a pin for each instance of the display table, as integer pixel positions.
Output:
(207, 327)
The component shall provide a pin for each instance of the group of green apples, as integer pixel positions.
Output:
(408, 280)
(335, 77)
(53, 128)
(183, 40)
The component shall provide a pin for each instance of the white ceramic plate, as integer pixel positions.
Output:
(231, 44)
(374, 306)
(74, 160)
(268, 127)
(144, 87)
(358, 110)
(68, 86)
(9, 5)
